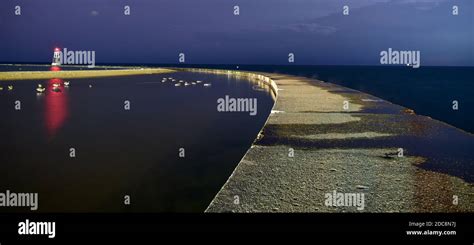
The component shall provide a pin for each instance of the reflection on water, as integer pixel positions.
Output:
(125, 152)
(55, 106)
(55, 68)
(55, 102)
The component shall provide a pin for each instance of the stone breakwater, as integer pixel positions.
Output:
(29, 75)
(322, 138)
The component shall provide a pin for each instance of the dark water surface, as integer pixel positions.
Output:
(120, 152)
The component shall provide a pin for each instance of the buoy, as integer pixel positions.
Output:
(207, 85)
(177, 85)
(66, 83)
(198, 81)
(90, 86)
(40, 89)
(10, 87)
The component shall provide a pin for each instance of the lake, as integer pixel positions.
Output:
(119, 152)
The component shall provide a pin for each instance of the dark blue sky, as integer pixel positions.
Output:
(264, 32)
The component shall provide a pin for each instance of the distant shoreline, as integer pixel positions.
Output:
(231, 66)
(29, 75)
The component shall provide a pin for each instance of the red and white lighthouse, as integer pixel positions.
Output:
(56, 57)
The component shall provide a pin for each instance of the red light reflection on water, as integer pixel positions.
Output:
(56, 107)
(55, 68)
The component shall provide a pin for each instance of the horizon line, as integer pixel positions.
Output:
(214, 64)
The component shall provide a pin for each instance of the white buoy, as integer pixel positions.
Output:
(177, 85)
(207, 85)
(40, 88)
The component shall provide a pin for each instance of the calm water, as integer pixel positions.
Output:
(429, 91)
(121, 152)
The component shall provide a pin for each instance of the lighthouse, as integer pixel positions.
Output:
(56, 57)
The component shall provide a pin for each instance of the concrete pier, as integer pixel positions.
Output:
(349, 142)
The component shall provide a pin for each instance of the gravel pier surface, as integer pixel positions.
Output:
(312, 145)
